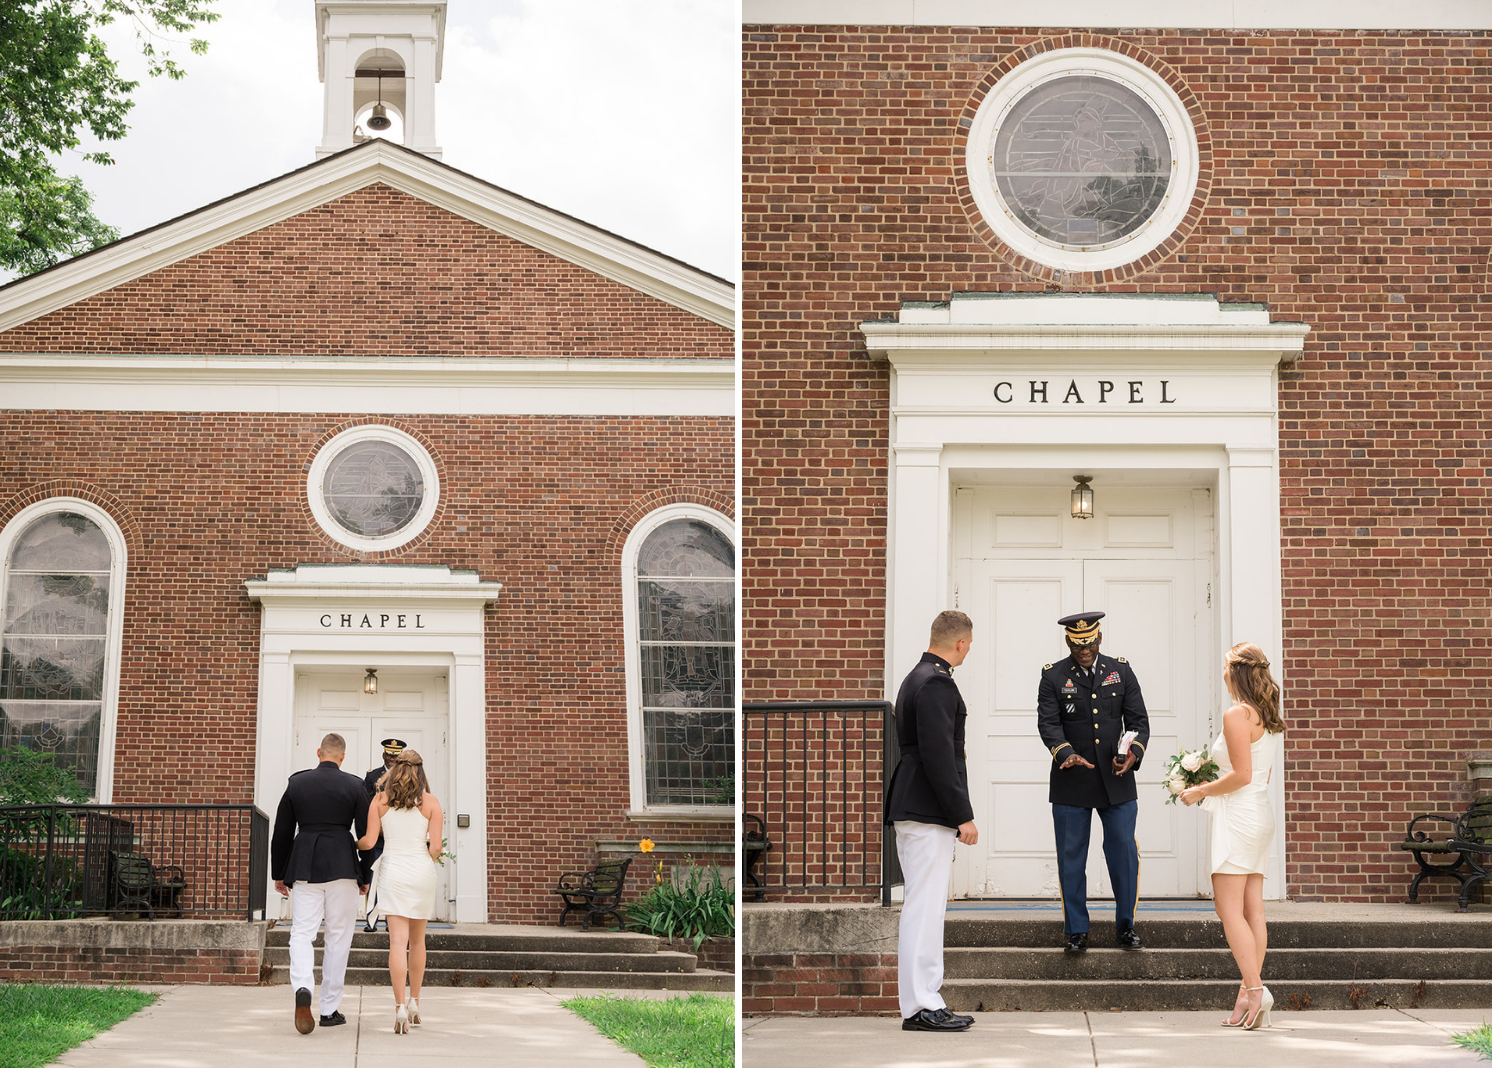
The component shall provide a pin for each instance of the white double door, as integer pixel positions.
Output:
(411, 706)
(1032, 564)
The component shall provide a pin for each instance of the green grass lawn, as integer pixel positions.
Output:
(688, 1032)
(40, 1023)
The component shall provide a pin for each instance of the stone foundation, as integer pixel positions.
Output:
(208, 952)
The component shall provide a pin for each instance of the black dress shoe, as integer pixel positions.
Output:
(954, 1016)
(304, 1011)
(1128, 939)
(332, 1020)
(1077, 943)
(935, 1020)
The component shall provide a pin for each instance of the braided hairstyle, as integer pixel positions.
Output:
(1250, 683)
(404, 782)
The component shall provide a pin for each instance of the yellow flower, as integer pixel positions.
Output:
(647, 845)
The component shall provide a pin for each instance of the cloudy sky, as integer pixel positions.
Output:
(623, 113)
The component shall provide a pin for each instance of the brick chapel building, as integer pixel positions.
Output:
(1238, 276)
(381, 448)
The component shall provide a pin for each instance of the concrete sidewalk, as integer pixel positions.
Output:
(1376, 1038)
(251, 1027)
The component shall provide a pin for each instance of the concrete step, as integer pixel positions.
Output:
(1154, 964)
(527, 940)
(1072, 995)
(1205, 932)
(497, 961)
(634, 980)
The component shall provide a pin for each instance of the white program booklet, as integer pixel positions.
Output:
(1126, 737)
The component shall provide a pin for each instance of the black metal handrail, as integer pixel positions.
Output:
(65, 861)
(815, 772)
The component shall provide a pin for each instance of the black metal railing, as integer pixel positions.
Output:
(64, 861)
(814, 771)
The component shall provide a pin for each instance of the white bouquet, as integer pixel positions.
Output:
(1188, 767)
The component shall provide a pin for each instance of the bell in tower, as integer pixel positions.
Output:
(379, 61)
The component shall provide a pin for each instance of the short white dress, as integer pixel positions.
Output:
(1241, 822)
(408, 874)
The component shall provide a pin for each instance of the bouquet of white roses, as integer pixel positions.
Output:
(1188, 767)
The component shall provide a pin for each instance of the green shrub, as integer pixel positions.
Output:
(28, 777)
(699, 907)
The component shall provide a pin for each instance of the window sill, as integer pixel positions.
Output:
(688, 813)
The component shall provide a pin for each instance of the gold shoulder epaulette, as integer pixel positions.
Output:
(1121, 659)
(1046, 667)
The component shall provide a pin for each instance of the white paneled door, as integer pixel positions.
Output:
(410, 706)
(1030, 564)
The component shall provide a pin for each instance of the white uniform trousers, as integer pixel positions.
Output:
(334, 905)
(926, 854)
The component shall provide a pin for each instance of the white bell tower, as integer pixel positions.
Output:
(378, 61)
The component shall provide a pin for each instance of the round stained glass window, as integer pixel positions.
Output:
(373, 487)
(1082, 159)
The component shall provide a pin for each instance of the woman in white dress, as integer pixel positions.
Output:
(412, 821)
(1242, 824)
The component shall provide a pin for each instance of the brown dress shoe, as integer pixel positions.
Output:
(305, 1022)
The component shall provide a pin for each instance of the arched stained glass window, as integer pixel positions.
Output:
(684, 621)
(60, 594)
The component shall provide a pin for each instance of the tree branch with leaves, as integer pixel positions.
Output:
(58, 81)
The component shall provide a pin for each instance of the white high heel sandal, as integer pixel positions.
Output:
(1232, 1022)
(403, 1025)
(1263, 1014)
(413, 1010)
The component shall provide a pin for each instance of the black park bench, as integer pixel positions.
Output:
(1468, 843)
(137, 885)
(595, 892)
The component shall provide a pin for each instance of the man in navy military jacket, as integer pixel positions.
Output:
(928, 802)
(1084, 706)
(314, 862)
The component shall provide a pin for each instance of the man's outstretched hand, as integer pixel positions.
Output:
(1073, 761)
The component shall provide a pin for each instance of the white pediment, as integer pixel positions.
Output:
(589, 247)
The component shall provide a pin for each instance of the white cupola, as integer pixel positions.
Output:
(379, 61)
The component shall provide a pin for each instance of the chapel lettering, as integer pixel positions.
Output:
(380, 621)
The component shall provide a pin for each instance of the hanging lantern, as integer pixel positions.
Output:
(1083, 497)
(371, 686)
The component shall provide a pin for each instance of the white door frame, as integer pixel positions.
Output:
(336, 617)
(965, 402)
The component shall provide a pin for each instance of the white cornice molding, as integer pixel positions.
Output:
(1154, 14)
(892, 341)
(416, 385)
(329, 179)
(315, 582)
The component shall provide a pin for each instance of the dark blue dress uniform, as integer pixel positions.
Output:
(311, 842)
(1083, 713)
(931, 783)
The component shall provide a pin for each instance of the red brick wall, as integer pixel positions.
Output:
(542, 505)
(828, 984)
(1346, 185)
(127, 964)
(533, 503)
(374, 273)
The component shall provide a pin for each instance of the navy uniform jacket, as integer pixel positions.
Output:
(311, 842)
(1075, 717)
(931, 783)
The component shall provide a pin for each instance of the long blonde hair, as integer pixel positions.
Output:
(404, 782)
(1250, 683)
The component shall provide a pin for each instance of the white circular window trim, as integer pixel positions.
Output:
(354, 436)
(1102, 63)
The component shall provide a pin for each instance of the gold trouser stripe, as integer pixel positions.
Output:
(1137, 880)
